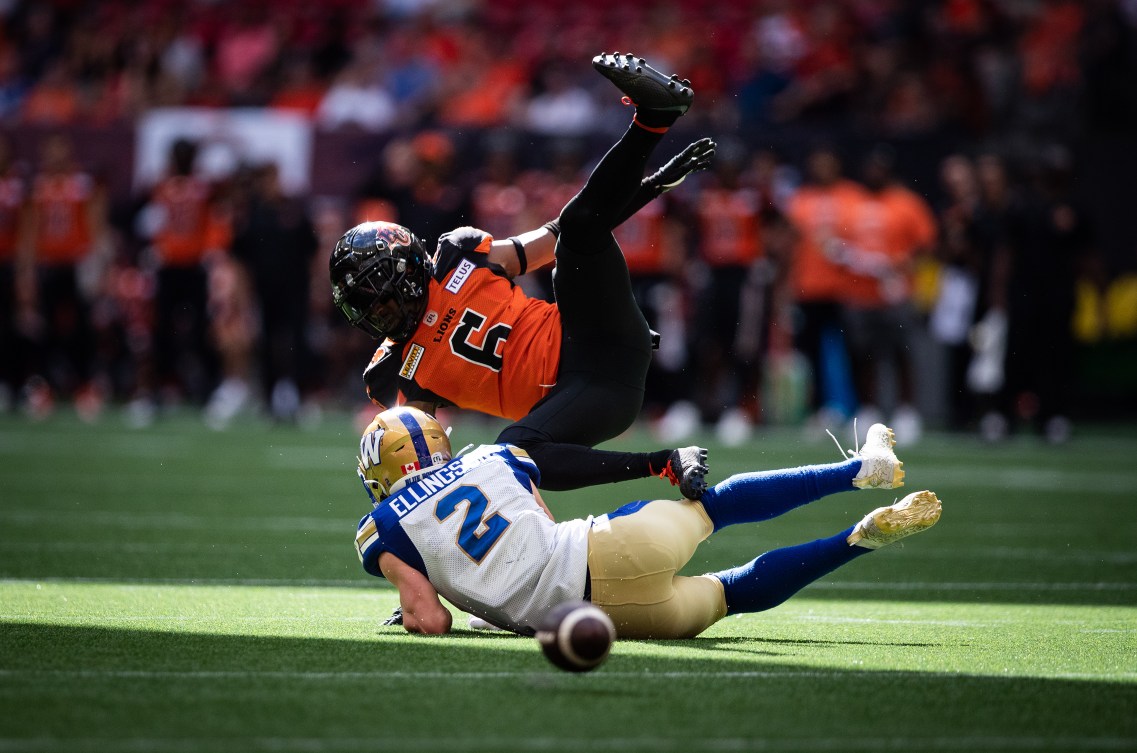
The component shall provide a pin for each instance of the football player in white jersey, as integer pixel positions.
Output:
(473, 530)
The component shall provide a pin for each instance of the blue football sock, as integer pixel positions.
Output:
(767, 581)
(753, 497)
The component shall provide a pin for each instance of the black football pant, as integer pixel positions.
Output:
(605, 342)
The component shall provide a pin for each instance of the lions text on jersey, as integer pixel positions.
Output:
(475, 530)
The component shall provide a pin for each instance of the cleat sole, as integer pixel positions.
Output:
(645, 86)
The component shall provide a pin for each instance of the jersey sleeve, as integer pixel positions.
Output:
(379, 378)
(376, 533)
(369, 545)
(385, 384)
(460, 252)
(521, 464)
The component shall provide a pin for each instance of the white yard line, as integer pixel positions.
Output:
(435, 676)
(137, 582)
(185, 521)
(663, 744)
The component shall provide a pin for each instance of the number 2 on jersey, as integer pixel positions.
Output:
(476, 545)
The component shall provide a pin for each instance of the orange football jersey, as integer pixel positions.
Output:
(63, 231)
(896, 223)
(641, 239)
(183, 239)
(482, 344)
(731, 231)
(821, 214)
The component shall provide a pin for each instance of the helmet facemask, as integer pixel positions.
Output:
(379, 280)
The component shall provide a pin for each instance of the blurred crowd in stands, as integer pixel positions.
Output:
(816, 272)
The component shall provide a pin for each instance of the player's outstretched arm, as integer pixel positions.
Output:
(537, 247)
(423, 611)
(697, 156)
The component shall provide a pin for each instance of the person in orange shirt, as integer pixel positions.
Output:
(730, 245)
(891, 227)
(182, 204)
(67, 217)
(821, 211)
(457, 331)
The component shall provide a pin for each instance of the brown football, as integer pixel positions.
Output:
(576, 636)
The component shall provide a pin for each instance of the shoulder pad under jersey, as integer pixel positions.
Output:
(519, 460)
(461, 243)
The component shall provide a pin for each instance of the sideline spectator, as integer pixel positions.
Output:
(891, 226)
(274, 240)
(1048, 239)
(822, 212)
(730, 242)
(67, 222)
(179, 215)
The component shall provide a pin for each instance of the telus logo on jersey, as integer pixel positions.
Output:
(461, 274)
(445, 325)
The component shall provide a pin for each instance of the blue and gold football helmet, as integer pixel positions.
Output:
(399, 442)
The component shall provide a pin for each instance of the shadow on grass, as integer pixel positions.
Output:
(717, 642)
(131, 688)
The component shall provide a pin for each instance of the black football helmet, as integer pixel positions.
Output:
(380, 273)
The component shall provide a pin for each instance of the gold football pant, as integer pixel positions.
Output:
(633, 560)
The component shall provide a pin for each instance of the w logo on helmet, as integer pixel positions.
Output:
(369, 448)
(398, 442)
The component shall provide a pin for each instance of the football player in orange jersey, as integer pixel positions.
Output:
(182, 203)
(457, 331)
(67, 220)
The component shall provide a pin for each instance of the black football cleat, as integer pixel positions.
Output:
(687, 469)
(647, 88)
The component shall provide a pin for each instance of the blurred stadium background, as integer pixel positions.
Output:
(174, 174)
(945, 176)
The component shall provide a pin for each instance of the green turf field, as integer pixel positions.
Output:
(176, 589)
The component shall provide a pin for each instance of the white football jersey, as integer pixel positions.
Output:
(474, 528)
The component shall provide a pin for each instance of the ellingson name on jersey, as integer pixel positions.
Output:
(422, 489)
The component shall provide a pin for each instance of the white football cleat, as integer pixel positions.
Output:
(880, 468)
(886, 525)
(477, 623)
